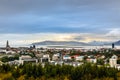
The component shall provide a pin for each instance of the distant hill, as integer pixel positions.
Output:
(68, 43)
(99, 43)
(117, 43)
(75, 43)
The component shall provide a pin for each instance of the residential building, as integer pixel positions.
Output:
(26, 59)
(113, 61)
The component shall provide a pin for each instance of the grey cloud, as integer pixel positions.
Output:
(106, 12)
(21, 6)
(114, 33)
(39, 6)
(78, 38)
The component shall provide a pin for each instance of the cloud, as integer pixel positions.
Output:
(39, 6)
(27, 21)
(79, 38)
(114, 33)
(26, 39)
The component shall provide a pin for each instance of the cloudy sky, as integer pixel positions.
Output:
(26, 21)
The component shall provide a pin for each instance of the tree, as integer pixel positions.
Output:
(16, 73)
(5, 59)
(100, 61)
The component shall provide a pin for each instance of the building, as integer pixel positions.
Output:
(26, 59)
(56, 57)
(66, 57)
(113, 45)
(79, 58)
(45, 58)
(92, 60)
(7, 46)
(75, 64)
(113, 61)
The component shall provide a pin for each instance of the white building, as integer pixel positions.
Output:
(27, 58)
(46, 55)
(7, 52)
(113, 61)
(56, 56)
(92, 60)
(66, 57)
(79, 58)
(45, 58)
(10, 52)
(75, 64)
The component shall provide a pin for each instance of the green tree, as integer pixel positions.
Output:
(5, 59)
(100, 61)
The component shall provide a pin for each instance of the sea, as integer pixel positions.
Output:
(74, 47)
(68, 47)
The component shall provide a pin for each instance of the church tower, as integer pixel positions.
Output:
(7, 46)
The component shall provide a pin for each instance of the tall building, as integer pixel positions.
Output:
(34, 46)
(7, 46)
(113, 45)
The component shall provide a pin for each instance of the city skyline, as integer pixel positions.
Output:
(24, 22)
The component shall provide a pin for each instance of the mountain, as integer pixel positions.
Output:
(99, 43)
(75, 43)
(117, 43)
(66, 43)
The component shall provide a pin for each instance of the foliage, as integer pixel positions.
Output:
(6, 58)
(100, 62)
(57, 72)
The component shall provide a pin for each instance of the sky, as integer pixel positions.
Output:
(24, 22)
